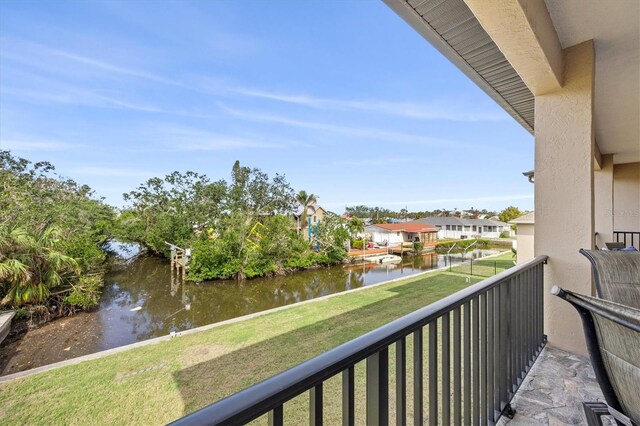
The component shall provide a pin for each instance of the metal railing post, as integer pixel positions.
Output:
(378, 388)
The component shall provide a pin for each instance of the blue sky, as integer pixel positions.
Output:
(342, 97)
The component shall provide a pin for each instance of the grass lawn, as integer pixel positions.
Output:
(161, 382)
(486, 267)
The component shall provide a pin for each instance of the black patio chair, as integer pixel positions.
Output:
(616, 275)
(612, 331)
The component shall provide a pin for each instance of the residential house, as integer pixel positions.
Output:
(455, 227)
(393, 233)
(315, 215)
(524, 237)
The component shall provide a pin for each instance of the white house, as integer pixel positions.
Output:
(393, 233)
(455, 227)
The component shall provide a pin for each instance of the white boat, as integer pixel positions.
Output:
(383, 258)
(5, 323)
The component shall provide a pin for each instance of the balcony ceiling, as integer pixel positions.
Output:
(614, 26)
(451, 27)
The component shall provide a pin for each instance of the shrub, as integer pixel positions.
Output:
(462, 245)
(86, 293)
(357, 244)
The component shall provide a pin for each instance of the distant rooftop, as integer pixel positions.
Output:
(524, 219)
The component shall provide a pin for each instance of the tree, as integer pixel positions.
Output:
(308, 204)
(31, 265)
(169, 208)
(330, 237)
(33, 197)
(355, 225)
(509, 213)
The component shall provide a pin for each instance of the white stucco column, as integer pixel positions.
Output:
(603, 205)
(564, 196)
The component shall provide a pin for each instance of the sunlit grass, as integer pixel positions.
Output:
(158, 383)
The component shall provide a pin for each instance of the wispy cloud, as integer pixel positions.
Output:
(361, 132)
(68, 95)
(36, 145)
(29, 50)
(442, 201)
(182, 138)
(223, 143)
(382, 161)
(450, 110)
(112, 172)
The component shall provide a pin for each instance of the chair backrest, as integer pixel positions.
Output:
(616, 245)
(612, 331)
(616, 275)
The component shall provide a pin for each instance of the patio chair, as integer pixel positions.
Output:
(612, 332)
(614, 245)
(616, 275)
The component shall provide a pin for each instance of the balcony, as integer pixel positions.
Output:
(554, 390)
(459, 360)
(469, 358)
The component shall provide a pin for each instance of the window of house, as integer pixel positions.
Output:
(398, 234)
(459, 227)
(314, 219)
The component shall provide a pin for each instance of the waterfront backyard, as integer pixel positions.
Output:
(163, 381)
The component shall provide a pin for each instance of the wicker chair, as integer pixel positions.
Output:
(616, 275)
(612, 332)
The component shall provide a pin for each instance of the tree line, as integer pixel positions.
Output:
(51, 234)
(241, 228)
(53, 230)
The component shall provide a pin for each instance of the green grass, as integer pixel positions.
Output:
(486, 267)
(161, 382)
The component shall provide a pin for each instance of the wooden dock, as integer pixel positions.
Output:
(401, 248)
(368, 252)
(179, 259)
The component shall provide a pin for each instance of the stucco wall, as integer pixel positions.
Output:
(564, 150)
(626, 197)
(603, 205)
(388, 236)
(525, 242)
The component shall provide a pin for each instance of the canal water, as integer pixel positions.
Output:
(142, 300)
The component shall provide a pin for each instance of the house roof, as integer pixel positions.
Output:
(524, 219)
(405, 227)
(310, 211)
(443, 221)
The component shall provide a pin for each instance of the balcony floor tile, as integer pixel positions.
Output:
(554, 390)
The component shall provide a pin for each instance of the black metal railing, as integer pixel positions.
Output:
(621, 237)
(480, 344)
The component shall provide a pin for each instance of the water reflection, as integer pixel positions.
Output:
(167, 304)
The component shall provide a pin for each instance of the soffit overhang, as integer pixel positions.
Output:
(451, 27)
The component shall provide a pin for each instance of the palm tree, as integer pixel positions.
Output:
(30, 265)
(308, 203)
